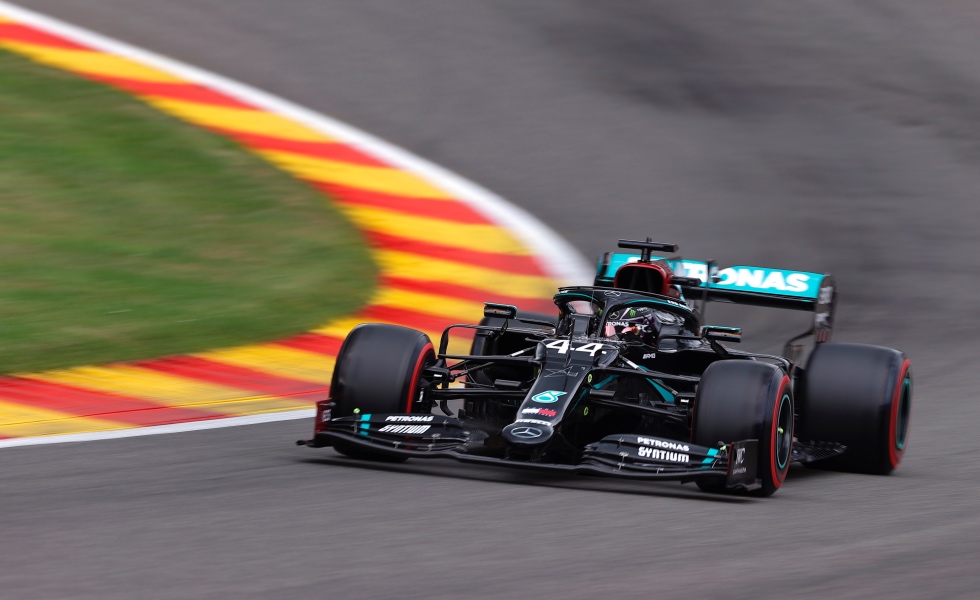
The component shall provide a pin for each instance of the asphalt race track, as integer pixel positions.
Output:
(836, 136)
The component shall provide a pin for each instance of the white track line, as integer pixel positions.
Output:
(557, 257)
(113, 434)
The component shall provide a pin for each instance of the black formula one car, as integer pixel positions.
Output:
(626, 381)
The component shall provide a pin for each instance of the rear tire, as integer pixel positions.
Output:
(860, 396)
(741, 400)
(377, 371)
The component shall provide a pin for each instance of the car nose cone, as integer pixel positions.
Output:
(527, 433)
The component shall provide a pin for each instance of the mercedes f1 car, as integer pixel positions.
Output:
(625, 380)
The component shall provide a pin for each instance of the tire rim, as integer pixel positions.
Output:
(784, 432)
(904, 412)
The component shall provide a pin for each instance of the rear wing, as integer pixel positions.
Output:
(740, 284)
(777, 288)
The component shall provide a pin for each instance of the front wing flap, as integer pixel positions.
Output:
(403, 431)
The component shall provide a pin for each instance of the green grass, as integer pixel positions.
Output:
(127, 234)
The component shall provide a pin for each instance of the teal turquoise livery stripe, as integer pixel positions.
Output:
(605, 381)
(761, 280)
(706, 463)
(667, 396)
(659, 386)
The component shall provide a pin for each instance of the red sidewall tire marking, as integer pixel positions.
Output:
(777, 475)
(426, 350)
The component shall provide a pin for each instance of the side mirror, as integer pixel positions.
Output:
(717, 333)
(685, 281)
(501, 311)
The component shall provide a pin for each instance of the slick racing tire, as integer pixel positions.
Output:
(745, 400)
(377, 371)
(484, 344)
(859, 396)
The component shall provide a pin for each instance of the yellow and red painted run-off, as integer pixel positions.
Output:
(438, 258)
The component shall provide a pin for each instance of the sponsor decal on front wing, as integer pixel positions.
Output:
(404, 429)
(658, 454)
(739, 467)
(649, 441)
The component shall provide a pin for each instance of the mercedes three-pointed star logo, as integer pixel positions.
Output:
(527, 433)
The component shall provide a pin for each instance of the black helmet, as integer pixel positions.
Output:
(632, 324)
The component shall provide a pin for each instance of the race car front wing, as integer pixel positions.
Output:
(620, 455)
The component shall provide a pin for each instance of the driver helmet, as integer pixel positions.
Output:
(632, 324)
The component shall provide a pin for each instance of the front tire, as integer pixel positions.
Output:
(741, 400)
(859, 396)
(377, 371)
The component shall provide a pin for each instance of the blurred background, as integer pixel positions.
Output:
(834, 137)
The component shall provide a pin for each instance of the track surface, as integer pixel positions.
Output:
(837, 136)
